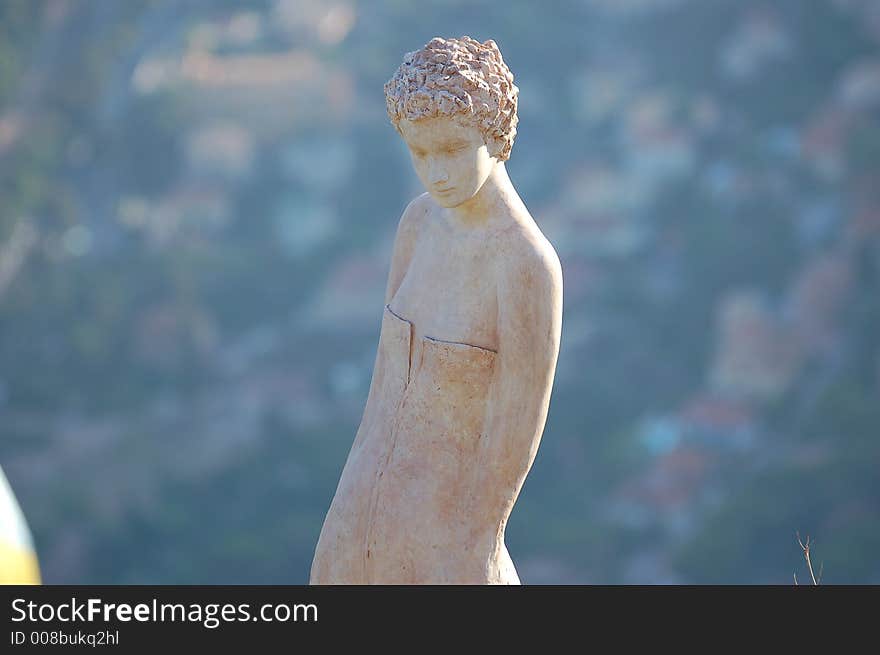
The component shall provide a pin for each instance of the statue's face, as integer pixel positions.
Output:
(450, 157)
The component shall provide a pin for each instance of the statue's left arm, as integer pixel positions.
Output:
(529, 284)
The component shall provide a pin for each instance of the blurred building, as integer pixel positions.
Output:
(756, 357)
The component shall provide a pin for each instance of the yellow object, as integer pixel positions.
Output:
(18, 559)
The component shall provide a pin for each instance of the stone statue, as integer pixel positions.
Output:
(468, 344)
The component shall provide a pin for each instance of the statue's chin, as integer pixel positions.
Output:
(449, 201)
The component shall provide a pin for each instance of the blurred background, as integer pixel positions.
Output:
(197, 207)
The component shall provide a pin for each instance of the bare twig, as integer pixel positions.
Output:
(805, 546)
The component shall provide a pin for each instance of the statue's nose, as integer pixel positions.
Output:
(437, 172)
(439, 176)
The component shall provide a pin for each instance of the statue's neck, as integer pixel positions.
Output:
(492, 205)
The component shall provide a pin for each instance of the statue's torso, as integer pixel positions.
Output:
(406, 507)
(449, 289)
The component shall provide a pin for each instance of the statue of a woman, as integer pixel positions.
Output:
(468, 345)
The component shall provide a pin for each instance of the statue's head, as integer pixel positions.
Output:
(454, 103)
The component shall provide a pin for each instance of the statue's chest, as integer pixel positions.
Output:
(449, 292)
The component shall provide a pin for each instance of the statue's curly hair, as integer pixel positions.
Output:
(455, 77)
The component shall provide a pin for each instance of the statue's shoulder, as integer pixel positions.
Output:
(525, 253)
(529, 291)
(417, 213)
(410, 226)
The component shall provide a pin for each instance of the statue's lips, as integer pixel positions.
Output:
(445, 190)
